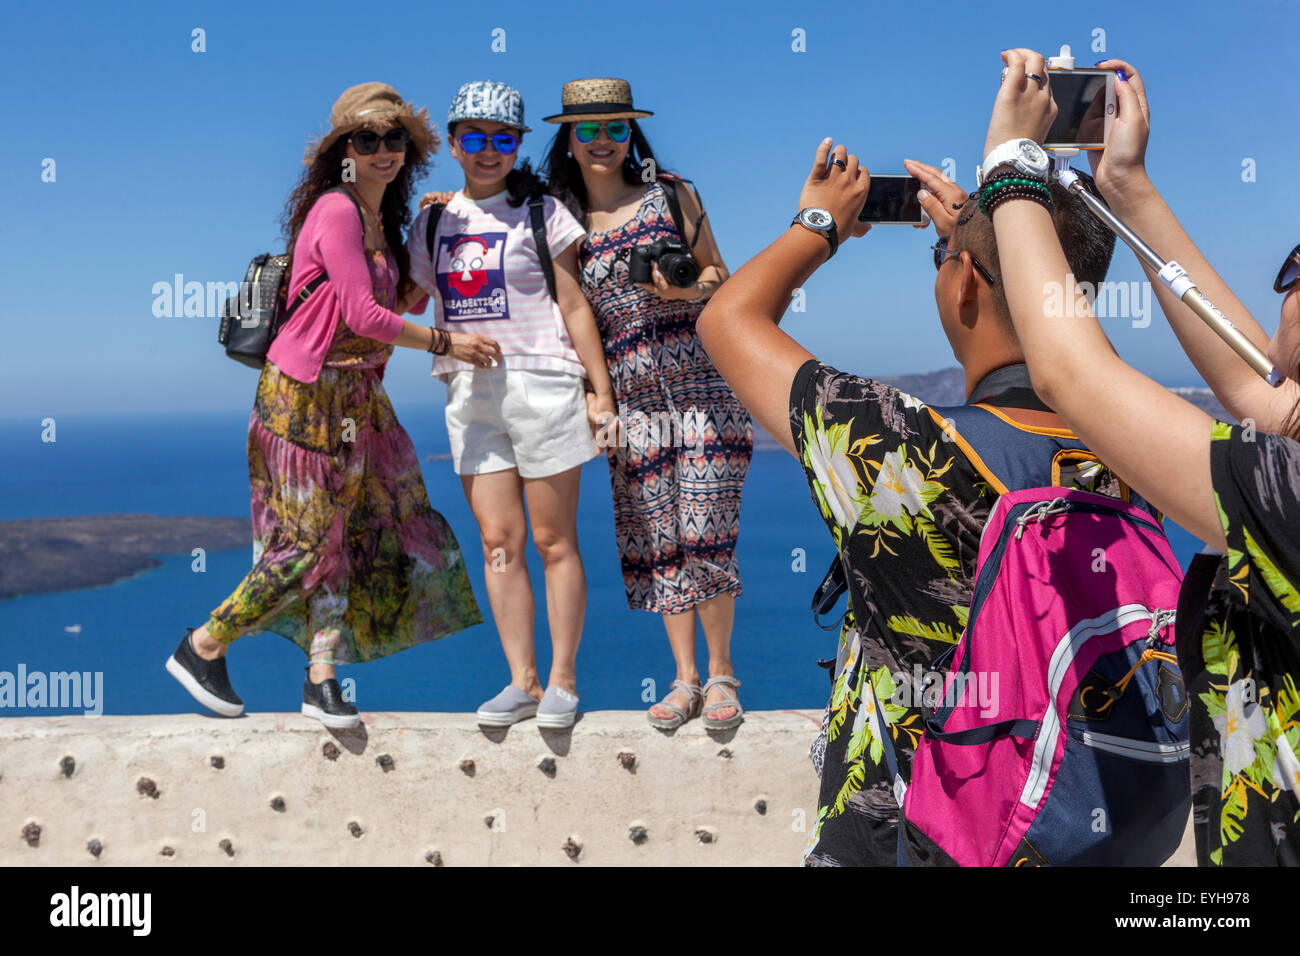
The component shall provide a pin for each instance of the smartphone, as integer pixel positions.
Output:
(1085, 104)
(892, 198)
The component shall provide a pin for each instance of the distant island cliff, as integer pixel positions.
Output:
(42, 555)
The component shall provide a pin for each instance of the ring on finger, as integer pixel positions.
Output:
(1042, 80)
(840, 163)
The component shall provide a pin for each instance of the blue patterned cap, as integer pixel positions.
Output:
(488, 100)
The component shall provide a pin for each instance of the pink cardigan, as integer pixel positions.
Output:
(331, 239)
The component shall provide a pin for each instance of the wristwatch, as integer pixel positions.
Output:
(1028, 158)
(819, 220)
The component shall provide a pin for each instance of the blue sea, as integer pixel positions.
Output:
(194, 464)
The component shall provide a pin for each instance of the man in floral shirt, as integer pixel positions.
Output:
(904, 501)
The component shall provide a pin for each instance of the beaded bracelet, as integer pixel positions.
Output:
(1019, 192)
(997, 186)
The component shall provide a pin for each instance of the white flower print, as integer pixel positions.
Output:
(836, 478)
(898, 486)
(1241, 724)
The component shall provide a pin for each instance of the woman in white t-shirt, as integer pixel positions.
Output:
(520, 425)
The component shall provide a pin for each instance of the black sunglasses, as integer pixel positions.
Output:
(942, 253)
(1289, 274)
(366, 141)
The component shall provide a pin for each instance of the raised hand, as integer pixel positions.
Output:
(1123, 161)
(941, 198)
(839, 185)
(1024, 108)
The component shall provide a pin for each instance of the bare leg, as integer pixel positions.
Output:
(681, 638)
(553, 510)
(497, 502)
(718, 614)
(207, 646)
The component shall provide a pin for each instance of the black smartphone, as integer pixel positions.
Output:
(892, 198)
(1085, 108)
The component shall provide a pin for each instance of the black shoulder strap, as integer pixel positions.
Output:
(669, 185)
(305, 292)
(537, 213)
(431, 229)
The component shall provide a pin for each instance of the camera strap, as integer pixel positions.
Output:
(668, 184)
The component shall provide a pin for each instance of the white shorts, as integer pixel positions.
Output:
(534, 420)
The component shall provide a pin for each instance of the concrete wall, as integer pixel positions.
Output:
(149, 791)
(142, 784)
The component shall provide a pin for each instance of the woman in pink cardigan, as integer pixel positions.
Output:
(350, 561)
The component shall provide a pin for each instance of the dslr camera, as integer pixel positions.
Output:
(676, 263)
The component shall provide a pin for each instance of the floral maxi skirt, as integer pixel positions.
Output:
(350, 561)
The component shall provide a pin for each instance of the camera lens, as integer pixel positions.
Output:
(680, 270)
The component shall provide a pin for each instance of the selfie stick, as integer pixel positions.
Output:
(1173, 276)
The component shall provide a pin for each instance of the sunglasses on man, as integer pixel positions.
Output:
(1289, 274)
(503, 143)
(617, 130)
(366, 141)
(942, 253)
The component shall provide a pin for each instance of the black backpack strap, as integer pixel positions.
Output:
(537, 215)
(303, 294)
(669, 185)
(431, 229)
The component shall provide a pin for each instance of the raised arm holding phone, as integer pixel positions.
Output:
(1239, 617)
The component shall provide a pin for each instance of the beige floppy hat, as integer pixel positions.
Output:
(374, 106)
(596, 99)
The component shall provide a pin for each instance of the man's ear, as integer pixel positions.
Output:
(966, 291)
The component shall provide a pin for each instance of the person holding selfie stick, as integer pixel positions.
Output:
(1236, 487)
(679, 463)
(350, 561)
(500, 260)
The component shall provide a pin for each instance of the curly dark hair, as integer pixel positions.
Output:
(326, 172)
(565, 175)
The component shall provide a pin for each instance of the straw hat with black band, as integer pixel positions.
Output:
(375, 106)
(604, 98)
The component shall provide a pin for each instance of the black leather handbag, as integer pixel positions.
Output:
(253, 316)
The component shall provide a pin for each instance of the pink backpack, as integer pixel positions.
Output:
(1061, 736)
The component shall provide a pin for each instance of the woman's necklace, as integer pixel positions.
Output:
(379, 219)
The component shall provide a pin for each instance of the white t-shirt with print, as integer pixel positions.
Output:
(488, 279)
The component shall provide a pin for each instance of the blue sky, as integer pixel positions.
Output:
(170, 161)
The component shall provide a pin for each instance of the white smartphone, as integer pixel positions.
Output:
(1085, 103)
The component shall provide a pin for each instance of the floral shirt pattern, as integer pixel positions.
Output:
(906, 508)
(1241, 656)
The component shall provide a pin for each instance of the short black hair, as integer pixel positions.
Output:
(1088, 243)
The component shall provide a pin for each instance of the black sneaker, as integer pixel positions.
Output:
(207, 681)
(325, 702)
